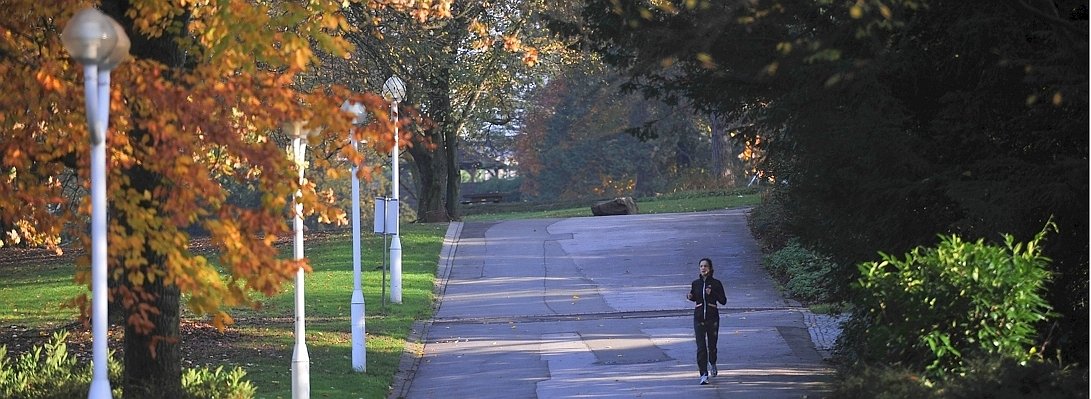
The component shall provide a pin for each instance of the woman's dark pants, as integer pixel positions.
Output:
(707, 332)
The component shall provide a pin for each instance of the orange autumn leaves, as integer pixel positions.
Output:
(181, 137)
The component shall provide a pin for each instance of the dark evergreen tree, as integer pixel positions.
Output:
(887, 123)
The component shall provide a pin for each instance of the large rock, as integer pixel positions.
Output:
(616, 206)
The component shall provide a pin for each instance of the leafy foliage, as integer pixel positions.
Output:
(204, 383)
(807, 273)
(466, 75)
(982, 378)
(196, 112)
(959, 299)
(575, 142)
(49, 371)
(1010, 378)
(882, 382)
(887, 122)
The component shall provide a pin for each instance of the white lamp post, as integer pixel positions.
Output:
(100, 44)
(394, 91)
(301, 369)
(359, 336)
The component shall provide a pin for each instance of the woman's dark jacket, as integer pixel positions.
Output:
(706, 304)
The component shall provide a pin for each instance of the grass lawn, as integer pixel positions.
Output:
(674, 203)
(32, 295)
(328, 292)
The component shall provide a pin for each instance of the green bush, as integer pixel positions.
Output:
(882, 382)
(769, 221)
(49, 372)
(939, 305)
(217, 384)
(1010, 378)
(805, 273)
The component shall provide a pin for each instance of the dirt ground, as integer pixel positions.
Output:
(201, 343)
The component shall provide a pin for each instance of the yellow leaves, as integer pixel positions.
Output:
(885, 12)
(152, 17)
(706, 61)
(1057, 99)
(478, 28)
(856, 12)
(136, 277)
(784, 48)
(221, 320)
(771, 68)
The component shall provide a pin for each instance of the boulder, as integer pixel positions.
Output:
(616, 206)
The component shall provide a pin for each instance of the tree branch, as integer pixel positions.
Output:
(1054, 20)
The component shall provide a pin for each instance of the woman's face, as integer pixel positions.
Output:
(705, 268)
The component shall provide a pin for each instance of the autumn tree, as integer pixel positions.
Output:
(461, 73)
(584, 139)
(199, 104)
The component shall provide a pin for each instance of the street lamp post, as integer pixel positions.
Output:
(100, 44)
(301, 384)
(394, 91)
(356, 309)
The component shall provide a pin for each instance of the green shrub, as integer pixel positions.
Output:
(769, 222)
(217, 384)
(1009, 378)
(882, 382)
(49, 372)
(805, 273)
(941, 304)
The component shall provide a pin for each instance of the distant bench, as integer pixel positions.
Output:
(482, 198)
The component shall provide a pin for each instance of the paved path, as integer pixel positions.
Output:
(595, 307)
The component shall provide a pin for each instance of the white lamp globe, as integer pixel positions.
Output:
(394, 89)
(89, 36)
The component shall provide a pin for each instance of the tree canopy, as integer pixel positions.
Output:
(885, 123)
(200, 104)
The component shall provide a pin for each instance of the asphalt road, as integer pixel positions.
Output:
(595, 307)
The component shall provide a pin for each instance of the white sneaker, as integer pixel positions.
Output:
(704, 380)
(713, 371)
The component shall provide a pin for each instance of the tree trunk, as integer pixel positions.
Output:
(431, 175)
(450, 140)
(148, 373)
(153, 363)
(719, 143)
(725, 152)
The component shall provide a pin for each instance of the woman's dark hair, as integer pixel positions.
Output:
(710, 268)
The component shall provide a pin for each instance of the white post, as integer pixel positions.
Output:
(396, 241)
(98, 118)
(359, 336)
(301, 379)
(100, 44)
